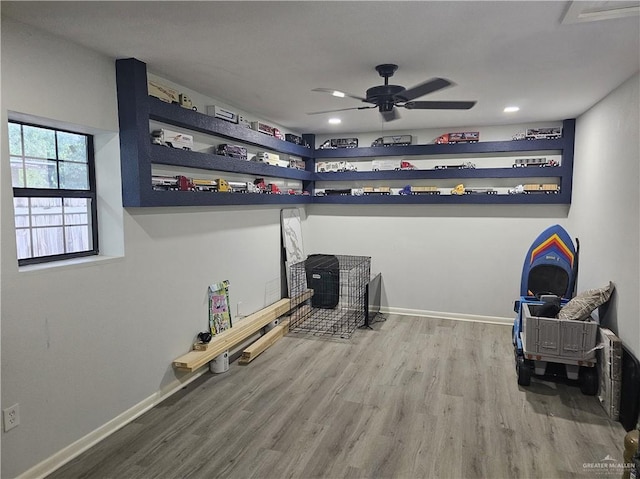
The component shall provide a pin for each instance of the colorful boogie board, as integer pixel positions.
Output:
(551, 265)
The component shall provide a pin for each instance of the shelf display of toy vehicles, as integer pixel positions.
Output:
(172, 139)
(219, 185)
(545, 188)
(340, 143)
(458, 137)
(541, 162)
(393, 140)
(460, 190)
(460, 166)
(549, 133)
(419, 190)
(233, 151)
(182, 183)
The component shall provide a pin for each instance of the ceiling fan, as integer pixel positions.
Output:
(386, 97)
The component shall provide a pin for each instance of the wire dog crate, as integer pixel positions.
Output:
(338, 305)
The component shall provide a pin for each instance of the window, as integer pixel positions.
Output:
(54, 193)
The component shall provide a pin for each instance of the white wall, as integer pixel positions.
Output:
(437, 258)
(82, 344)
(605, 212)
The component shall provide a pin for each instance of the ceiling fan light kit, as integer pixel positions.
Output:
(387, 97)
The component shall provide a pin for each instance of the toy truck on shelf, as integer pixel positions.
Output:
(172, 183)
(551, 133)
(525, 162)
(296, 163)
(169, 95)
(270, 159)
(337, 192)
(405, 165)
(545, 188)
(263, 128)
(460, 190)
(458, 137)
(270, 188)
(222, 113)
(390, 165)
(173, 139)
(185, 102)
(393, 140)
(243, 187)
(216, 186)
(376, 190)
(296, 140)
(233, 151)
(334, 167)
(340, 143)
(461, 166)
(419, 190)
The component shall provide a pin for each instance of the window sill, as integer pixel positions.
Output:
(75, 263)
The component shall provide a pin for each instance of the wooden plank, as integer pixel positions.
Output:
(265, 342)
(229, 338)
(201, 346)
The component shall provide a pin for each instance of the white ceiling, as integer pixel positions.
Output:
(266, 57)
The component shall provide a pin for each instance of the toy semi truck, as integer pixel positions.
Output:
(172, 139)
(458, 137)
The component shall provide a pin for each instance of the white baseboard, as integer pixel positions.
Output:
(441, 315)
(73, 450)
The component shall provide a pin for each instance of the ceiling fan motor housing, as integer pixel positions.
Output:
(383, 96)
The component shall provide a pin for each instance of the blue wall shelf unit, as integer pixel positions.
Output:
(136, 109)
(561, 174)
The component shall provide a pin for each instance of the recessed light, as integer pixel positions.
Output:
(335, 121)
(338, 94)
(511, 109)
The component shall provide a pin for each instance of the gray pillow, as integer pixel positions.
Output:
(581, 307)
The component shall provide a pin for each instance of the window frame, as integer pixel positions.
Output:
(62, 194)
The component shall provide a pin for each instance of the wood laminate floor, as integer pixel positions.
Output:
(413, 398)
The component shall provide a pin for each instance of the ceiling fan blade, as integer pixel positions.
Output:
(390, 115)
(429, 86)
(439, 105)
(341, 109)
(338, 93)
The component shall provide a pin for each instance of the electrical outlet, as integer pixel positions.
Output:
(11, 417)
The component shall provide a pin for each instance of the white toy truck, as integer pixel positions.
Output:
(173, 139)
